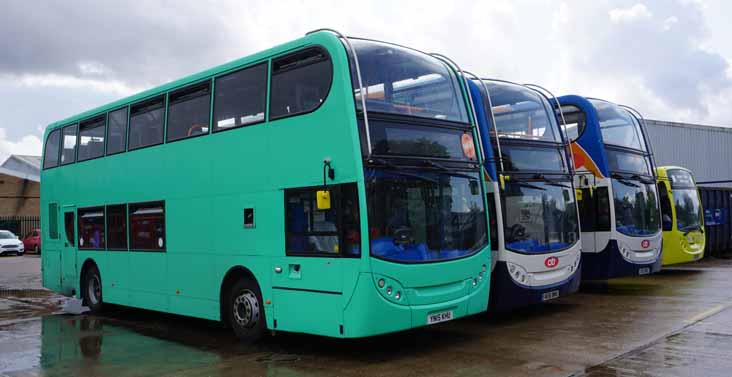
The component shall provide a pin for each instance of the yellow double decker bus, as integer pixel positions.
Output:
(682, 215)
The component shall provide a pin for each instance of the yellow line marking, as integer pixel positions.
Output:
(708, 313)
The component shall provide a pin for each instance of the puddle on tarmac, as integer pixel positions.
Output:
(87, 346)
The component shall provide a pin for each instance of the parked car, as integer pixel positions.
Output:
(10, 243)
(32, 241)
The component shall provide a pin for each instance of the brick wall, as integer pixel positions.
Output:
(19, 197)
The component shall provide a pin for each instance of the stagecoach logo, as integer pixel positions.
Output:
(645, 244)
(551, 262)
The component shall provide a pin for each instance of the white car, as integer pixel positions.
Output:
(10, 244)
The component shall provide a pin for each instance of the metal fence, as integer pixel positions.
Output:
(20, 225)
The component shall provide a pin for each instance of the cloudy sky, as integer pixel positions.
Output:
(668, 58)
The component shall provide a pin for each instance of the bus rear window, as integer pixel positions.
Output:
(147, 123)
(50, 155)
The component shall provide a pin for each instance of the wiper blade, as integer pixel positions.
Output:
(643, 180)
(436, 165)
(624, 180)
(529, 185)
(447, 170)
(399, 170)
(551, 182)
(693, 228)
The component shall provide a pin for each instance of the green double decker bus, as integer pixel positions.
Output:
(329, 185)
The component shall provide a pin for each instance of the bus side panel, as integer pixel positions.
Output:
(148, 280)
(229, 236)
(116, 278)
(51, 269)
(191, 287)
(309, 312)
(191, 280)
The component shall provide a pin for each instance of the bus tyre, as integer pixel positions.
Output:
(91, 290)
(244, 310)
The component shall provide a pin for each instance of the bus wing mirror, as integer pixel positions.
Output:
(323, 197)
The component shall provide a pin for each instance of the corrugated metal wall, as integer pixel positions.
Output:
(706, 150)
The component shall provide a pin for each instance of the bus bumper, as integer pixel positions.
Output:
(368, 313)
(506, 294)
(609, 264)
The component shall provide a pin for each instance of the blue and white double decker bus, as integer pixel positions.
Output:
(534, 220)
(617, 195)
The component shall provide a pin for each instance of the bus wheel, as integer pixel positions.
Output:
(244, 310)
(91, 292)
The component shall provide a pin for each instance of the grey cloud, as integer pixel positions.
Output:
(141, 43)
(668, 61)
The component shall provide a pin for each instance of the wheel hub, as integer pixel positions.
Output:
(246, 309)
(95, 290)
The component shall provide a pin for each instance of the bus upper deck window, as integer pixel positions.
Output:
(91, 138)
(240, 98)
(300, 82)
(188, 112)
(68, 144)
(147, 123)
(117, 131)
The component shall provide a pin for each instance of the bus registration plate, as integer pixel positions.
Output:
(644, 271)
(551, 295)
(439, 317)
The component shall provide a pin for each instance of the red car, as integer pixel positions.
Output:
(32, 241)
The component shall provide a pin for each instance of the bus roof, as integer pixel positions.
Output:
(322, 37)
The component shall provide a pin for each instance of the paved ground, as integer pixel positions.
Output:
(676, 323)
(20, 272)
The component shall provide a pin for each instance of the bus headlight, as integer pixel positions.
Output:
(391, 290)
(518, 273)
(625, 251)
(575, 265)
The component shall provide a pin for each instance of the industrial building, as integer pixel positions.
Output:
(705, 150)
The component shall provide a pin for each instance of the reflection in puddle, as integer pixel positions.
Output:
(87, 346)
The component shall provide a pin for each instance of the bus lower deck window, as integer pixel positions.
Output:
(147, 226)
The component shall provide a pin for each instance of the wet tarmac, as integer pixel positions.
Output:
(676, 323)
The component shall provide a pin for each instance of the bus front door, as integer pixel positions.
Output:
(68, 251)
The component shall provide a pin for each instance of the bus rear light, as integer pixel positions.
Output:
(468, 145)
(381, 283)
